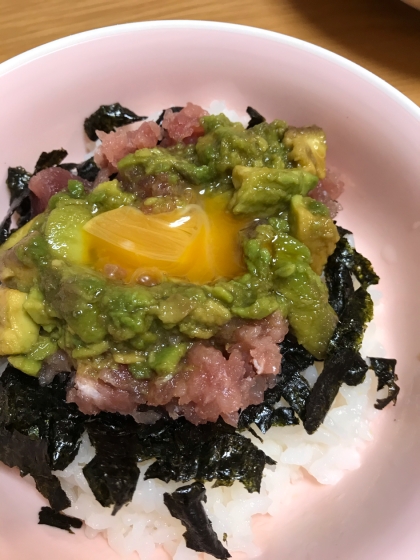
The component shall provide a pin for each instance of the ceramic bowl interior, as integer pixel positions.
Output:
(373, 136)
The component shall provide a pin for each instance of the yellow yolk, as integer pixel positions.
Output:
(199, 243)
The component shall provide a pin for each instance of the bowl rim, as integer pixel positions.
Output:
(97, 33)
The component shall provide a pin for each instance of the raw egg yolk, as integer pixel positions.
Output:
(199, 242)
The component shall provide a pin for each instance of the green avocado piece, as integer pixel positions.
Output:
(308, 148)
(18, 332)
(25, 364)
(264, 192)
(310, 223)
(31, 362)
(64, 232)
(227, 144)
(109, 196)
(164, 362)
(206, 318)
(261, 308)
(20, 234)
(76, 295)
(277, 255)
(160, 160)
(90, 351)
(43, 348)
(36, 306)
(311, 318)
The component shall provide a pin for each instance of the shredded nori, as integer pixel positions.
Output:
(17, 182)
(186, 505)
(338, 271)
(289, 384)
(48, 516)
(212, 451)
(363, 270)
(39, 431)
(343, 363)
(112, 480)
(384, 369)
(174, 110)
(357, 372)
(107, 118)
(338, 278)
(352, 325)
(50, 159)
(336, 368)
(256, 117)
(183, 451)
(86, 170)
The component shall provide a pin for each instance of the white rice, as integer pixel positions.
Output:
(146, 524)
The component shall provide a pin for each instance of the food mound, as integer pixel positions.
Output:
(185, 275)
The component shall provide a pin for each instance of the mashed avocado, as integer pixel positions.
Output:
(57, 294)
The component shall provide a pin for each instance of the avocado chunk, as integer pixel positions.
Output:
(312, 320)
(276, 254)
(25, 364)
(39, 311)
(165, 361)
(109, 196)
(18, 332)
(64, 232)
(31, 362)
(310, 223)
(265, 191)
(308, 148)
(227, 144)
(155, 161)
(19, 234)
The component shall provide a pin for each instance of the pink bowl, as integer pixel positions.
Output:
(374, 136)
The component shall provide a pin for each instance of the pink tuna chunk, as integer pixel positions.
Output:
(46, 183)
(183, 126)
(327, 191)
(124, 141)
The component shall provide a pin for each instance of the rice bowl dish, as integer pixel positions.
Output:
(333, 448)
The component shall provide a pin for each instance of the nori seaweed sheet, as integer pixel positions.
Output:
(256, 117)
(352, 325)
(39, 431)
(17, 182)
(384, 369)
(208, 452)
(338, 278)
(109, 117)
(343, 363)
(112, 480)
(174, 110)
(265, 416)
(186, 505)
(326, 387)
(357, 372)
(86, 170)
(289, 384)
(183, 451)
(338, 271)
(47, 516)
(50, 159)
